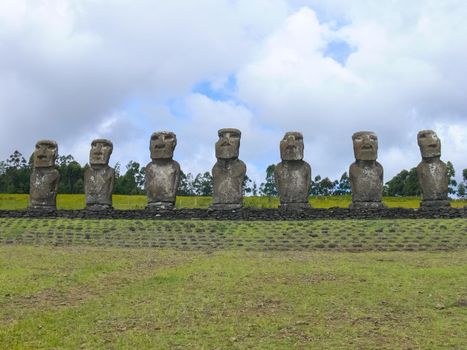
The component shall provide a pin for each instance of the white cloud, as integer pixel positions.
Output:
(71, 71)
(397, 81)
(67, 65)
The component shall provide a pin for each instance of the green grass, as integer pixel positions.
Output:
(117, 298)
(77, 201)
(206, 235)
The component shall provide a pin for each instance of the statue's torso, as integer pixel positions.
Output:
(293, 180)
(161, 181)
(43, 187)
(366, 182)
(98, 185)
(228, 179)
(433, 179)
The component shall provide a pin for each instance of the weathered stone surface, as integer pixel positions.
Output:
(162, 176)
(293, 175)
(99, 177)
(228, 172)
(366, 174)
(44, 177)
(246, 214)
(432, 172)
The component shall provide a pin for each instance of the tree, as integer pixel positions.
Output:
(452, 183)
(315, 189)
(247, 185)
(343, 186)
(71, 175)
(16, 160)
(186, 185)
(461, 191)
(461, 188)
(254, 189)
(403, 184)
(14, 174)
(412, 186)
(268, 188)
(327, 186)
(132, 182)
(203, 184)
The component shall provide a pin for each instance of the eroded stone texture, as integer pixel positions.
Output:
(44, 177)
(366, 174)
(432, 172)
(99, 177)
(229, 172)
(162, 176)
(293, 174)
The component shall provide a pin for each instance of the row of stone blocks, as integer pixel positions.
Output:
(247, 214)
(292, 174)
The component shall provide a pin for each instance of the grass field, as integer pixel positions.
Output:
(192, 284)
(113, 298)
(77, 201)
(338, 235)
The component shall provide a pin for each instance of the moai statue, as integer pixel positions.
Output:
(366, 174)
(162, 176)
(99, 177)
(44, 177)
(432, 172)
(293, 174)
(229, 172)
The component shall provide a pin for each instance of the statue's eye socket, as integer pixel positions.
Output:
(374, 138)
(51, 147)
(168, 138)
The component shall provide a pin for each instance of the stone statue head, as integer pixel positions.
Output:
(228, 145)
(162, 145)
(45, 154)
(291, 146)
(101, 150)
(429, 143)
(365, 145)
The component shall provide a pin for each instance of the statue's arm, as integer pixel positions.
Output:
(177, 177)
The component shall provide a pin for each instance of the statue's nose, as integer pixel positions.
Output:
(159, 144)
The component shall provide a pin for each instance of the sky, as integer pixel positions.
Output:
(73, 71)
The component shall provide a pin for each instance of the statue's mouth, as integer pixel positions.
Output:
(42, 156)
(367, 146)
(160, 146)
(433, 145)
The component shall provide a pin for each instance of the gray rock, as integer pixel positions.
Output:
(44, 177)
(229, 172)
(366, 174)
(99, 177)
(162, 175)
(293, 175)
(432, 172)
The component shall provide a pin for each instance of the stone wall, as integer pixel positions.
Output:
(248, 214)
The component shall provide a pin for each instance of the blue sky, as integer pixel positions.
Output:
(73, 71)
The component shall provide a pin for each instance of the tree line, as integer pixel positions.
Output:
(16, 170)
